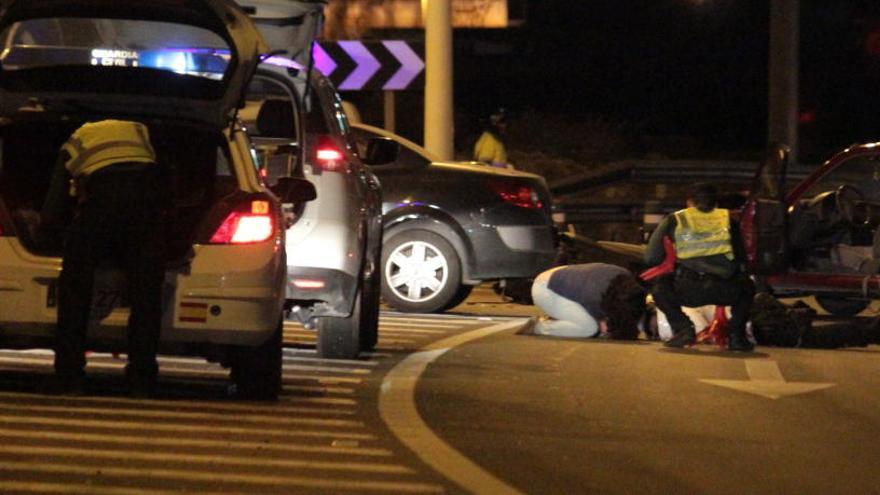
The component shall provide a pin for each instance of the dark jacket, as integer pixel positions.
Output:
(718, 265)
(585, 284)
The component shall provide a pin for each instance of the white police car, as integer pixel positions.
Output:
(181, 68)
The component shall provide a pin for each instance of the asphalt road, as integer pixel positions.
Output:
(460, 403)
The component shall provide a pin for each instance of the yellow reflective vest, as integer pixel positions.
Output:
(489, 149)
(700, 233)
(97, 145)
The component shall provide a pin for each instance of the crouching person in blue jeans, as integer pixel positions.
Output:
(588, 299)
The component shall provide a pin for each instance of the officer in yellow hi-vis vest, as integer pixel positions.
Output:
(710, 261)
(109, 197)
(490, 148)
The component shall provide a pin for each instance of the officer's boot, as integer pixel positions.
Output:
(683, 338)
(738, 342)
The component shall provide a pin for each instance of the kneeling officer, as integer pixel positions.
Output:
(709, 268)
(107, 178)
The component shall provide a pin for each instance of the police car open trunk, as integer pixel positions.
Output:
(196, 156)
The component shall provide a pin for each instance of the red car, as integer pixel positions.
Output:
(820, 238)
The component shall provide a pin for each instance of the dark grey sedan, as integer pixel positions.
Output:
(452, 225)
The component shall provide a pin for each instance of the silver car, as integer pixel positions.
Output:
(296, 121)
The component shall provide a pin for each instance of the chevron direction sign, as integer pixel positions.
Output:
(371, 65)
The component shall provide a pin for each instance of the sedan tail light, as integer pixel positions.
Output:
(518, 194)
(247, 226)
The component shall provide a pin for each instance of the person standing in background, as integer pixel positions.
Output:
(490, 148)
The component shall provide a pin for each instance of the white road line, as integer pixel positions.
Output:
(188, 429)
(211, 459)
(391, 341)
(9, 486)
(331, 401)
(325, 380)
(421, 324)
(329, 369)
(252, 419)
(397, 407)
(219, 373)
(450, 322)
(408, 329)
(277, 481)
(236, 407)
(318, 390)
(183, 442)
(311, 359)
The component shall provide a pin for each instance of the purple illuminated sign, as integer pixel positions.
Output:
(371, 65)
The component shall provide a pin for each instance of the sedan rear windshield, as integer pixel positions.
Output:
(64, 42)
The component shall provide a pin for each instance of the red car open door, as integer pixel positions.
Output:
(763, 220)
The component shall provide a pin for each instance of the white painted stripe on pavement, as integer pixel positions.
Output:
(210, 459)
(276, 481)
(397, 407)
(325, 380)
(421, 324)
(407, 329)
(188, 442)
(387, 340)
(318, 390)
(201, 406)
(330, 369)
(105, 424)
(331, 401)
(430, 320)
(204, 373)
(289, 355)
(9, 486)
(253, 419)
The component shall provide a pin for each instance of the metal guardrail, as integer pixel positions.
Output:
(671, 171)
(579, 198)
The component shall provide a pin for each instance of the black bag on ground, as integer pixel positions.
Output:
(776, 324)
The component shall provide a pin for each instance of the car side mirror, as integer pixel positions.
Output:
(294, 190)
(381, 151)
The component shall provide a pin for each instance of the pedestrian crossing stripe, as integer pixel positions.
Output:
(131, 475)
(178, 441)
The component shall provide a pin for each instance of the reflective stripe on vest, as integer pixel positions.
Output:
(100, 144)
(700, 234)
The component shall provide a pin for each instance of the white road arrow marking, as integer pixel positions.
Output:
(766, 380)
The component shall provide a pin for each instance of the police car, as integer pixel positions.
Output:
(180, 68)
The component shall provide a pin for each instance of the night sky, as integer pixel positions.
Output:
(694, 68)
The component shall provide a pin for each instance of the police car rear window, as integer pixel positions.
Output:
(177, 48)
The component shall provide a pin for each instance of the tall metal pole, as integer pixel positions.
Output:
(783, 72)
(438, 79)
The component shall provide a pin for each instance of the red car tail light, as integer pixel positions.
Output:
(328, 155)
(521, 195)
(246, 227)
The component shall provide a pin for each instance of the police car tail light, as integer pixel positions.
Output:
(246, 227)
(328, 155)
(520, 195)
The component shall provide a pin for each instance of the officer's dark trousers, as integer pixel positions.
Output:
(121, 222)
(690, 289)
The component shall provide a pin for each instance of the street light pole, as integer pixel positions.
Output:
(783, 73)
(438, 78)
